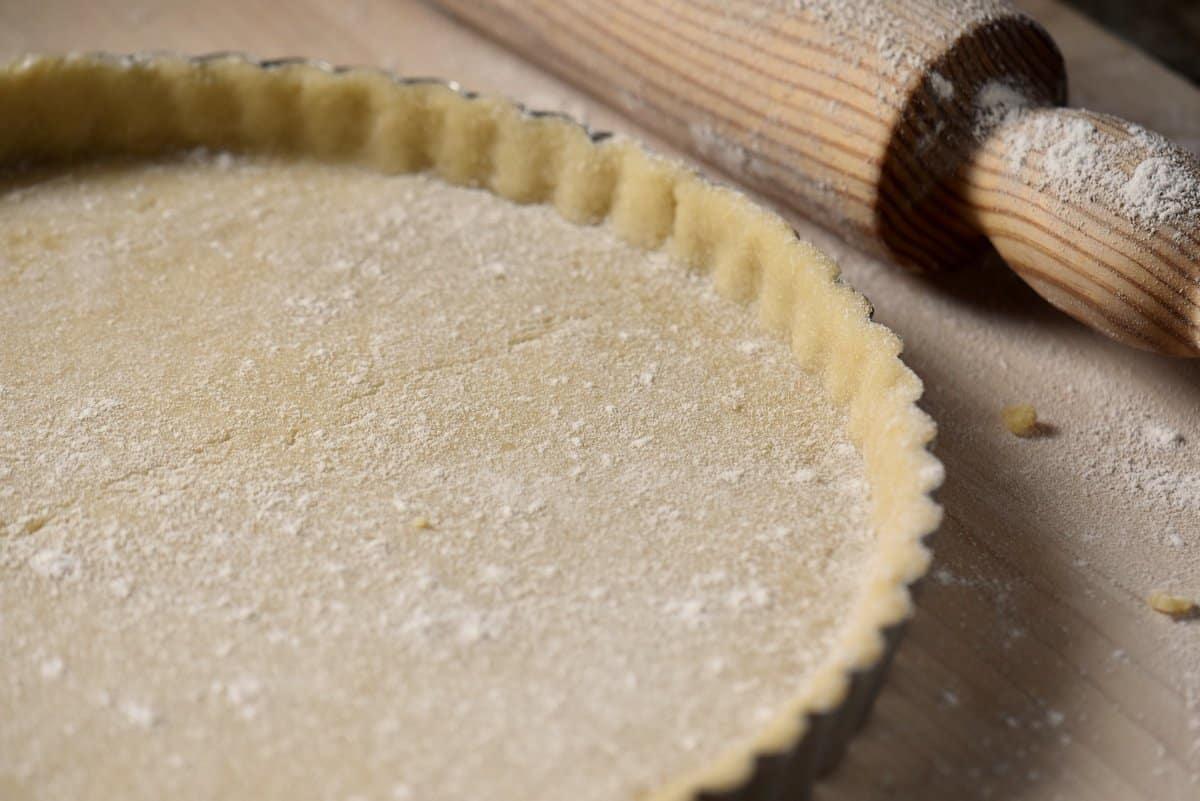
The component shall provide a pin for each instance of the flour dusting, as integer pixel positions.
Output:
(1122, 166)
(396, 488)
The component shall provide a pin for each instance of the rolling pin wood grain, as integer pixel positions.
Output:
(930, 130)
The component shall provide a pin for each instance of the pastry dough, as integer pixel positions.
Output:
(326, 482)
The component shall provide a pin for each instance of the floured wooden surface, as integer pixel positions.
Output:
(1035, 668)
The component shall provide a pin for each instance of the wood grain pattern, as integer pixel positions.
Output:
(1033, 670)
(1086, 258)
(847, 124)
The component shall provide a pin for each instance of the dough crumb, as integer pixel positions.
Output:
(422, 522)
(1172, 605)
(1020, 419)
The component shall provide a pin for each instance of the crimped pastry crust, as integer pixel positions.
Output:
(88, 107)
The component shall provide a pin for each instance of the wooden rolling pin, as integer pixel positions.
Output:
(924, 129)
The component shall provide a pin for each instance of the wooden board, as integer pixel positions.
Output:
(1035, 669)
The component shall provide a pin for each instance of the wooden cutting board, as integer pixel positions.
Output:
(1034, 669)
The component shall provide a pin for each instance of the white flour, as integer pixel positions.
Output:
(1128, 169)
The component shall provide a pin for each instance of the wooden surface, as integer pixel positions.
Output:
(1034, 669)
(848, 126)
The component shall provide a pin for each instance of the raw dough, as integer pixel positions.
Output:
(249, 438)
(325, 484)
